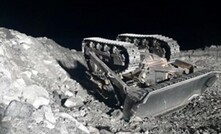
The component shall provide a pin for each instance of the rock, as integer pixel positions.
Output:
(81, 92)
(2, 110)
(49, 117)
(5, 83)
(4, 127)
(29, 73)
(74, 102)
(79, 127)
(146, 132)
(49, 124)
(123, 133)
(38, 115)
(93, 130)
(19, 109)
(45, 115)
(103, 131)
(117, 114)
(36, 96)
(62, 128)
(48, 114)
(68, 93)
(59, 97)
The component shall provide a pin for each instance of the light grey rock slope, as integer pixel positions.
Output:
(43, 90)
(31, 81)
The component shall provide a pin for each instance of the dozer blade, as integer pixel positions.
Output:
(168, 96)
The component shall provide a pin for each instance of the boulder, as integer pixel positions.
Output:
(74, 102)
(18, 109)
(36, 95)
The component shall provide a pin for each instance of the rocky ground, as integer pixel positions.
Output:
(42, 90)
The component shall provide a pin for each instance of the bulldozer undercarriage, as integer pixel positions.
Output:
(134, 72)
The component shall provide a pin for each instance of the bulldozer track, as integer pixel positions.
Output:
(173, 47)
(130, 52)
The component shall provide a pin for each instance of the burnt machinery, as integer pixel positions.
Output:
(158, 44)
(134, 71)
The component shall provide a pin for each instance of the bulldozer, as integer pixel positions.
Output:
(142, 74)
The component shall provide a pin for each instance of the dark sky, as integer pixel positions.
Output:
(192, 24)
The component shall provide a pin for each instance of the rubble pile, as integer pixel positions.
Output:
(33, 86)
(42, 90)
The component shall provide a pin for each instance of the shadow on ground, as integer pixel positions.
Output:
(79, 74)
